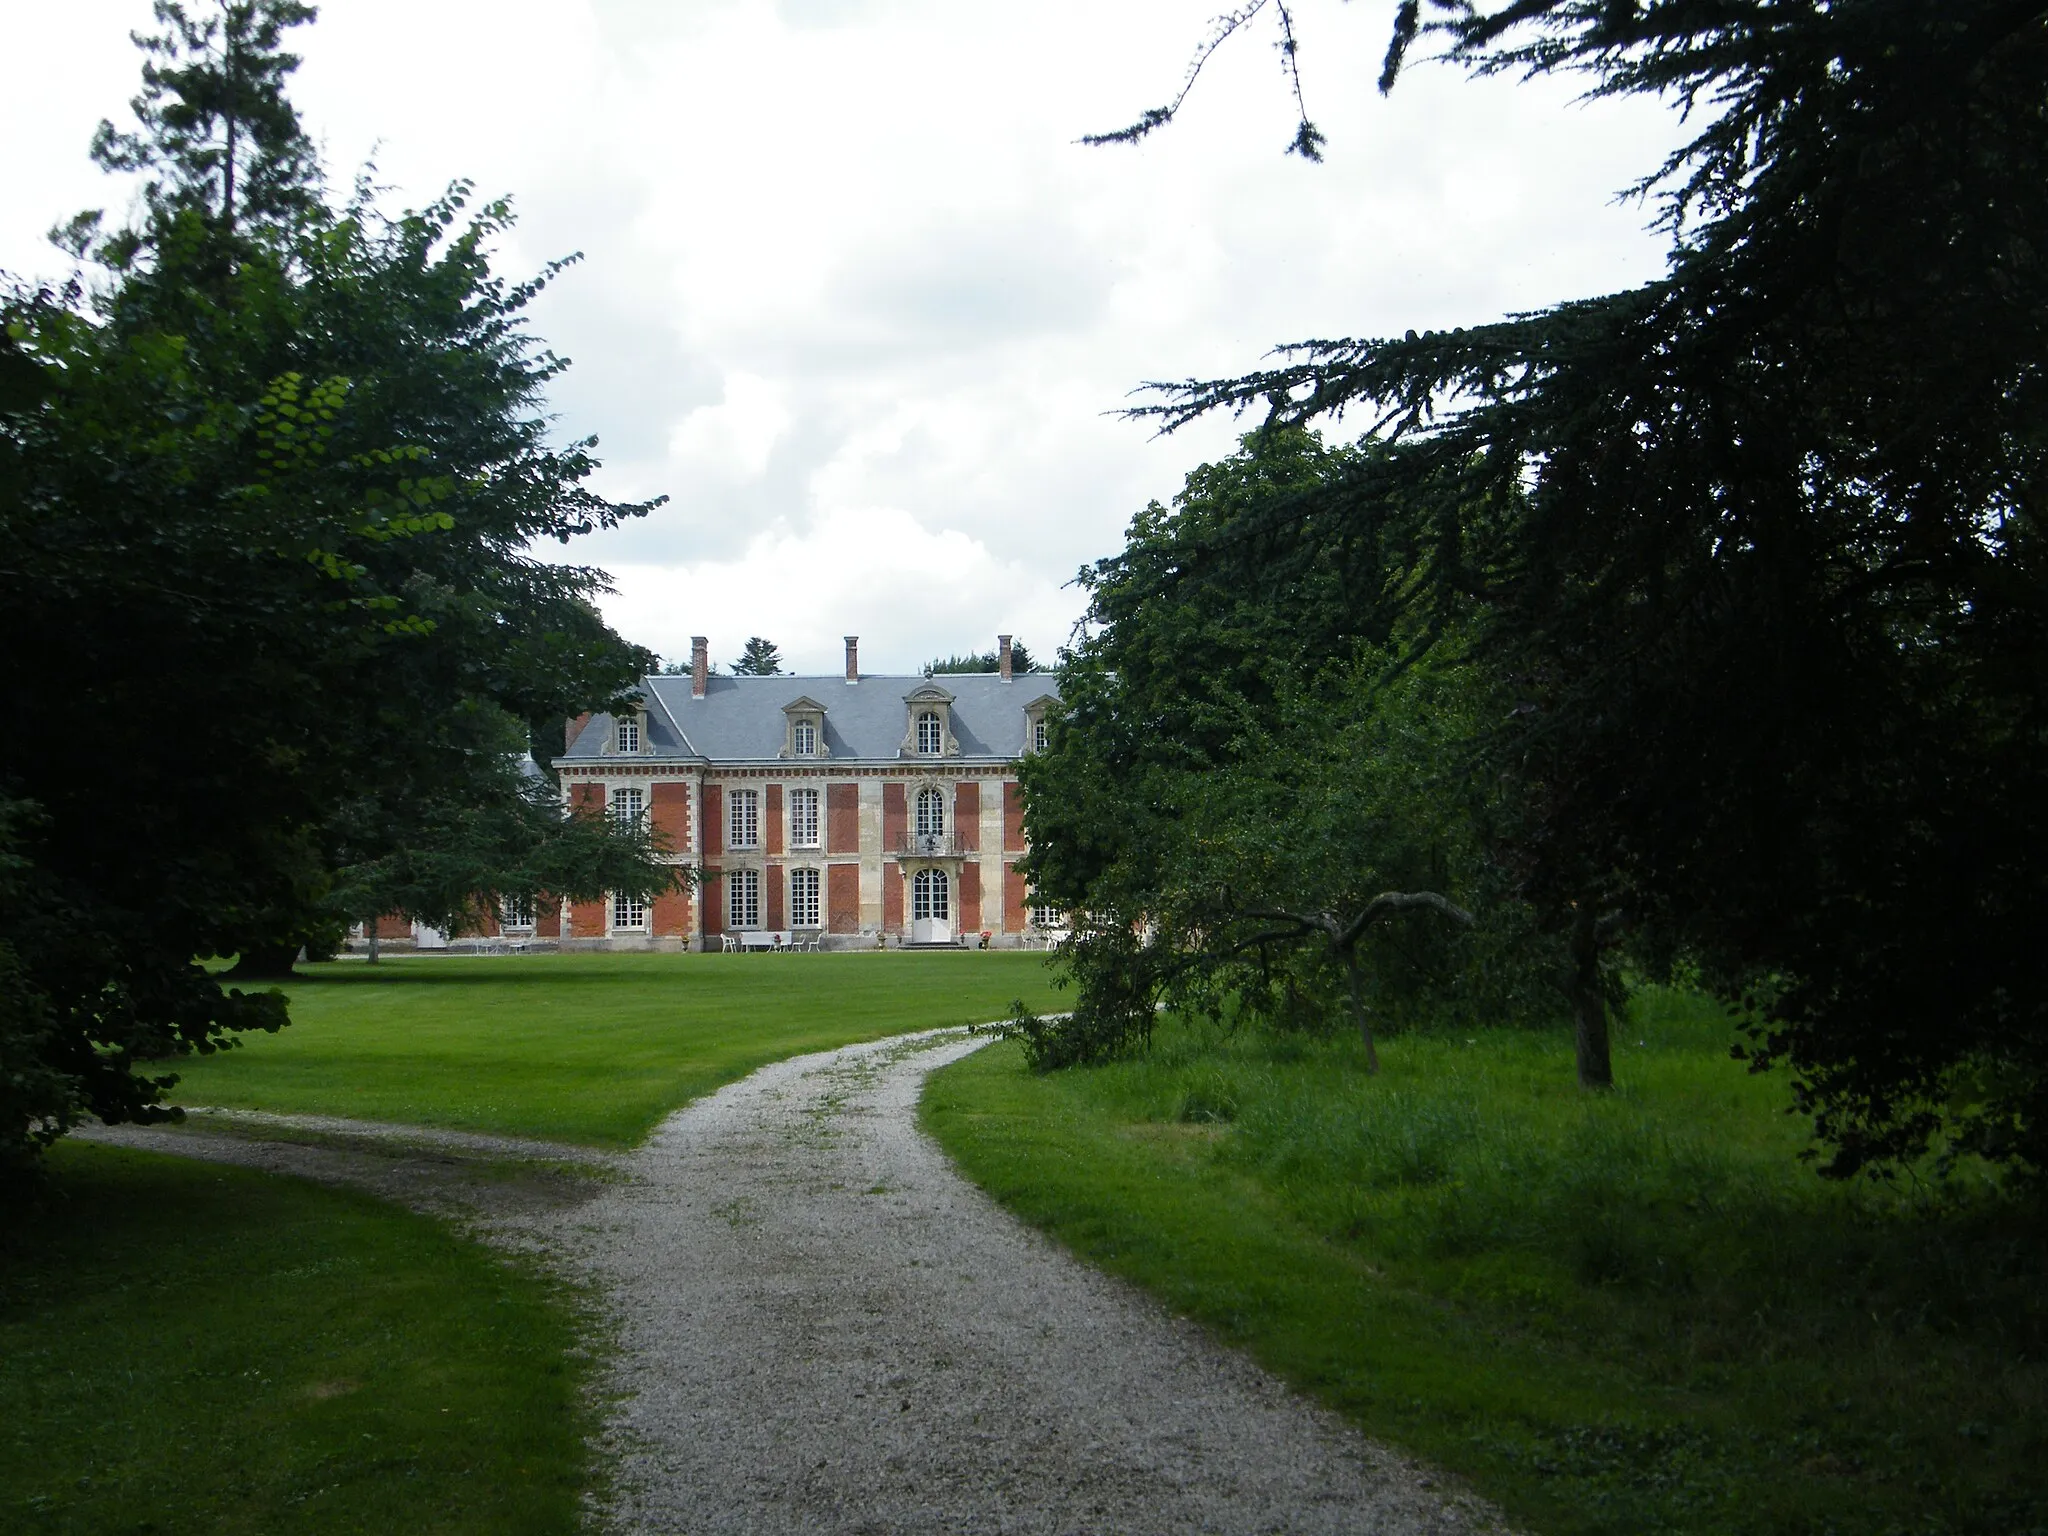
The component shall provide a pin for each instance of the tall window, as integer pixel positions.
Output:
(515, 912)
(931, 813)
(931, 740)
(806, 739)
(928, 891)
(743, 898)
(628, 805)
(803, 898)
(803, 818)
(629, 735)
(744, 820)
(628, 912)
(1038, 735)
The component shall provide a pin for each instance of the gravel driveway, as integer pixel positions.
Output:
(825, 1328)
(821, 1327)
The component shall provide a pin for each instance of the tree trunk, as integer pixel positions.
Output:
(370, 929)
(1589, 1002)
(1358, 1012)
(265, 962)
(227, 193)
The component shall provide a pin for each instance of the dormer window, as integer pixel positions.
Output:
(1036, 714)
(928, 726)
(629, 734)
(803, 733)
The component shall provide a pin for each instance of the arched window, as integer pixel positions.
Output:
(805, 739)
(629, 735)
(928, 895)
(931, 813)
(743, 898)
(931, 740)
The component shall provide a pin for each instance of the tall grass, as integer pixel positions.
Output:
(1637, 1311)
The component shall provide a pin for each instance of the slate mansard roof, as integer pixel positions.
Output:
(742, 719)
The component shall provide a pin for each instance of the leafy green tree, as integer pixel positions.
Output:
(452, 865)
(1247, 805)
(1759, 542)
(760, 658)
(266, 496)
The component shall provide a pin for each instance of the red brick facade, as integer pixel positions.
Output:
(672, 914)
(842, 897)
(714, 819)
(670, 811)
(1013, 817)
(1014, 892)
(842, 818)
(967, 819)
(970, 898)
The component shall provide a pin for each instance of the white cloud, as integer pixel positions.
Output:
(733, 438)
(850, 284)
(906, 582)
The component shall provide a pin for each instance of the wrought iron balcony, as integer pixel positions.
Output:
(927, 845)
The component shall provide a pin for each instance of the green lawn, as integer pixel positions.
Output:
(189, 1348)
(591, 1048)
(1624, 1314)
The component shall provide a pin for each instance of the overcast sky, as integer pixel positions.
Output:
(854, 298)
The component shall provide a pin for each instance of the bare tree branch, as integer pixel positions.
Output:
(1343, 939)
(1308, 139)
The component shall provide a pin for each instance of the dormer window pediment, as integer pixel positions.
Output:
(1036, 714)
(930, 723)
(803, 734)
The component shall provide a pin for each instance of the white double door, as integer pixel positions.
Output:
(931, 907)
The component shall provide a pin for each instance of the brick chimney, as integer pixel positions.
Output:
(700, 665)
(1003, 656)
(573, 729)
(853, 658)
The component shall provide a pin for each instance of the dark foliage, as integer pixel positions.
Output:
(1248, 805)
(218, 135)
(1021, 660)
(759, 658)
(1759, 542)
(265, 497)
